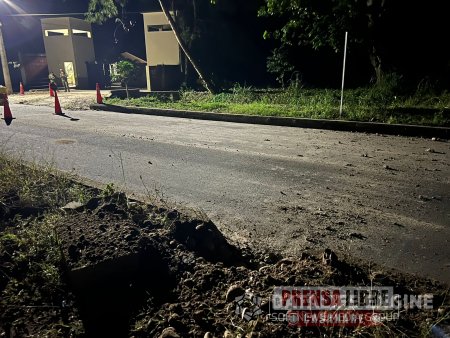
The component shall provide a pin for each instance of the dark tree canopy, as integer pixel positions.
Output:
(224, 38)
(388, 34)
(306, 37)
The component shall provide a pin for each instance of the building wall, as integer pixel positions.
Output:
(57, 48)
(84, 52)
(34, 70)
(70, 47)
(162, 48)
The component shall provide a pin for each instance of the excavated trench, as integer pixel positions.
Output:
(142, 271)
(111, 292)
(117, 266)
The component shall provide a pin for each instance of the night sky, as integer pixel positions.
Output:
(23, 33)
(415, 43)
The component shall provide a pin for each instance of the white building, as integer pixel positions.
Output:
(163, 53)
(69, 45)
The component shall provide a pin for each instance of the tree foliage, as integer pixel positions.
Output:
(322, 24)
(405, 37)
(101, 10)
(278, 64)
(125, 72)
(400, 36)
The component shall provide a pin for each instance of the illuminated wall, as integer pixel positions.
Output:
(69, 45)
(162, 49)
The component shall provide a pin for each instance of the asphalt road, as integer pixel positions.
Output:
(381, 199)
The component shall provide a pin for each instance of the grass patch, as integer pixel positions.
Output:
(373, 104)
(34, 296)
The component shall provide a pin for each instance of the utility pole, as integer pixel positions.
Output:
(4, 61)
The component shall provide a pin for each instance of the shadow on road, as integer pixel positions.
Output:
(69, 117)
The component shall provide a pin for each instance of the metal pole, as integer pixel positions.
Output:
(4, 61)
(343, 74)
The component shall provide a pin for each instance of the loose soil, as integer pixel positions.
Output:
(131, 269)
(114, 267)
(73, 100)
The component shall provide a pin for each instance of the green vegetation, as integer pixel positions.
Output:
(125, 72)
(32, 283)
(315, 24)
(304, 39)
(381, 103)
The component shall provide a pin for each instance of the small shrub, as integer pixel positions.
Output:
(243, 94)
(385, 92)
(125, 71)
(279, 65)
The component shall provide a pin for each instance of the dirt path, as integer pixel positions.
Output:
(74, 100)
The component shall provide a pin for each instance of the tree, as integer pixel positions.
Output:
(278, 63)
(206, 82)
(101, 10)
(125, 72)
(322, 24)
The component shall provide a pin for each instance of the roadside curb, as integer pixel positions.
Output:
(338, 125)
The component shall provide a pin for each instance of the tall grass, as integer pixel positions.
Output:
(387, 101)
(32, 268)
(31, 184)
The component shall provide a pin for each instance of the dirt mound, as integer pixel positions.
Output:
(74, 100)
(118, 253)
(137, 270)
(146, 272)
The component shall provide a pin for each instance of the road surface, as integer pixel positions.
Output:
(381, 199)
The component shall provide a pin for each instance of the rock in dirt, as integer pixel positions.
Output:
(175, 321)
(233, 292)
(227, 334)
(25, 211)
(110, 208)
(424, 198)
(169, 332)
(206, 240)
(93, 203)
(329, 258)
(357, 235)
(271, 258)
(173, 214)
(139, 218)
(73, 206)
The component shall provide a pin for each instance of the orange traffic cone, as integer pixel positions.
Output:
(52, 93)
(7, 116)
(99, 96)
(22, 91)
(58, 110)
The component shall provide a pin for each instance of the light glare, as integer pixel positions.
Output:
(14, 6)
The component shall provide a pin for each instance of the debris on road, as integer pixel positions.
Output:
(124, 268)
